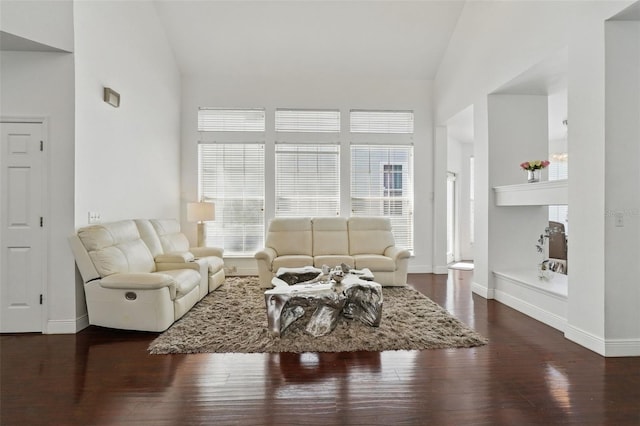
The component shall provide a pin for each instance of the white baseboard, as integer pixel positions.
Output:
(481, 290)
(243, 272)
(604, 347)
(622, 347)
(535, 312)
(420, 269)
(70, 326)
(441, 270)
(82, 322)
(586, 339)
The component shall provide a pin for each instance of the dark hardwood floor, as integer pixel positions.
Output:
(527, 374)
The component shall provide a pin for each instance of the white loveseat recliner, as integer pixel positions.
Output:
(168, 246)
(360, 242)
(140, 283)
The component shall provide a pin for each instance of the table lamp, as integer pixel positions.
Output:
(201, 212)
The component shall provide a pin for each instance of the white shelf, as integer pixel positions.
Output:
(553, 192)
(557, 285)
(544, 300)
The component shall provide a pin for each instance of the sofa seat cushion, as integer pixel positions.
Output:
(375, 262)
(333, 260)
(291, 261)
(186, 280)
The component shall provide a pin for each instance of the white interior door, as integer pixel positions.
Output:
(451, 216)
(21, 262)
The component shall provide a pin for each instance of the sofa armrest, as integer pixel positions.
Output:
(397, 253)
(267, 254)
(140, 281)
(207, 251)
(175, 257)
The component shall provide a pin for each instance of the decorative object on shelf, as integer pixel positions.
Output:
(201, 212)
(543, 266)
(547, 266)
(533, 169)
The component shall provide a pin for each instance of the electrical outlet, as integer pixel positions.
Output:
(94, 217)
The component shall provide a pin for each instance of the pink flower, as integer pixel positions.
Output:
(534, 165)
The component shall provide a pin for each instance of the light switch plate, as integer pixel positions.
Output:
(94, 217)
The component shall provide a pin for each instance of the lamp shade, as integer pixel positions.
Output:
(201, 212)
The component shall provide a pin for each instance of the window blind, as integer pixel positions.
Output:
(301, 120)
(559, 169)
(382, 185)
(232, 176)
(367, 121)
(231, 120)
(307, 180)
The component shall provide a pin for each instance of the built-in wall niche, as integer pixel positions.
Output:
(528, 121)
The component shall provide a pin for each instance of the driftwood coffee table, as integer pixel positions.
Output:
(354, 298)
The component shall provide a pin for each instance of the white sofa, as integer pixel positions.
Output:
(141, 274)
(360, 242)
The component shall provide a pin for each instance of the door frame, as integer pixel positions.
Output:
(44, 199)
(453, 177)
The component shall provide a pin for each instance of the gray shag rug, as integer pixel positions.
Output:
(233, 319)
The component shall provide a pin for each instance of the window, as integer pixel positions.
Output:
(307, 180)
(232, 176)
(231, 120)
(366, 121)
(301, 120)
(392, 178)
(381, 185)
(559, 169)
(309, 161)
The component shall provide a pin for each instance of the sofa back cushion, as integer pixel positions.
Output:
(149, 236)
(116, 247)
(369, 235)
(330, 236)
(290, 236)
(171, 239)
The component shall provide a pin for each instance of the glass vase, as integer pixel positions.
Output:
(533, 175)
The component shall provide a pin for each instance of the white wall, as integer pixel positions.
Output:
(622, 127)
(121, 162)
(458, 157)
(517, 132)
(43, 21)
(308, 92)
(493, 43)
(127, 158)
(41, 84)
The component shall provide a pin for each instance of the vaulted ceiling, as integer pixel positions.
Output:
(348, 38)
